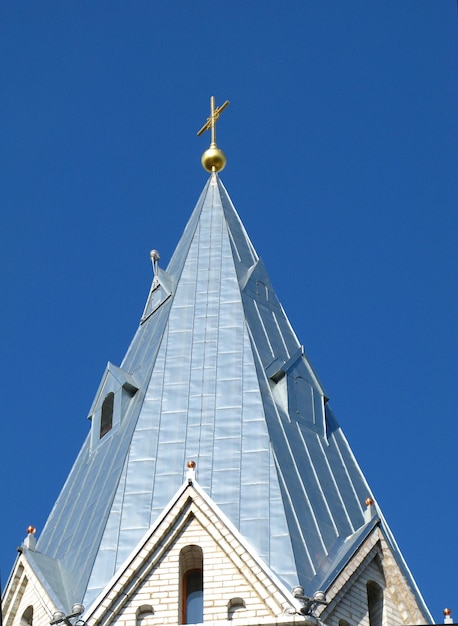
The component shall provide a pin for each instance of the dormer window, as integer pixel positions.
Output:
(112, 403)
(106, 419)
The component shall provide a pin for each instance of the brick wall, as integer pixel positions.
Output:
(226, 577)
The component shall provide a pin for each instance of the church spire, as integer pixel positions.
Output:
(216, 378)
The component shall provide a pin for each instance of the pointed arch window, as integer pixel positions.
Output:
(192, 585)
(106, 418)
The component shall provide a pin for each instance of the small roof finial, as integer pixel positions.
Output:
(191, 473)
(30, 541)
(155, 257)
(370, 511)
(213, 159)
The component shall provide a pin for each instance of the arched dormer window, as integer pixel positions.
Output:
(192, 585)
(106, 418)
(27, 617)
(343, 622)
(374, 603)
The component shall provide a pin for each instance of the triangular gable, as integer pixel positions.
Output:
(26, 599)
(113, 379)
(235, 580)
(160, 292)
(373, 564)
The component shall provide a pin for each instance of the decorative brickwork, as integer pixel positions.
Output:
(237, 585)
(231, 574)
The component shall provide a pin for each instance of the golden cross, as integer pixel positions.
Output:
(211, 121)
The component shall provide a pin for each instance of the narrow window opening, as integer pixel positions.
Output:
(194, 597)
(375, 603)
(27, 617)
(106, 419)
(192, 585)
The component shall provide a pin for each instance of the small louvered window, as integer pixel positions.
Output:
(106, 419)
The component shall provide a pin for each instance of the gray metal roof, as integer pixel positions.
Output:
(215, 374)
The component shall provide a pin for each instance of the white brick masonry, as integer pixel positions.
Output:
(237, 586)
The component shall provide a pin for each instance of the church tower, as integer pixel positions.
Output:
(215, 483)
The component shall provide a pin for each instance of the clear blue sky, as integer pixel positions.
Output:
(341, 141)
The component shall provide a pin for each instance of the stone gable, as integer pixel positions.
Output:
(373, 564)
(25, 601)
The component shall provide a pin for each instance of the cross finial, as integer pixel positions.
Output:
(211, 121)
(213, 159)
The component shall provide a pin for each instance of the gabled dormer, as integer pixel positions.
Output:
(161, 288)
(111, 403)
(297, 391)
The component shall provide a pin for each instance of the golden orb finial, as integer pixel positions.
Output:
(213, 159)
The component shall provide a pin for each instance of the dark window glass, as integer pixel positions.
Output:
(27, 617)
(106, 419)
(194, 597)
(375, 603)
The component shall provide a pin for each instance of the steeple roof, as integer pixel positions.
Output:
(215, 374)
